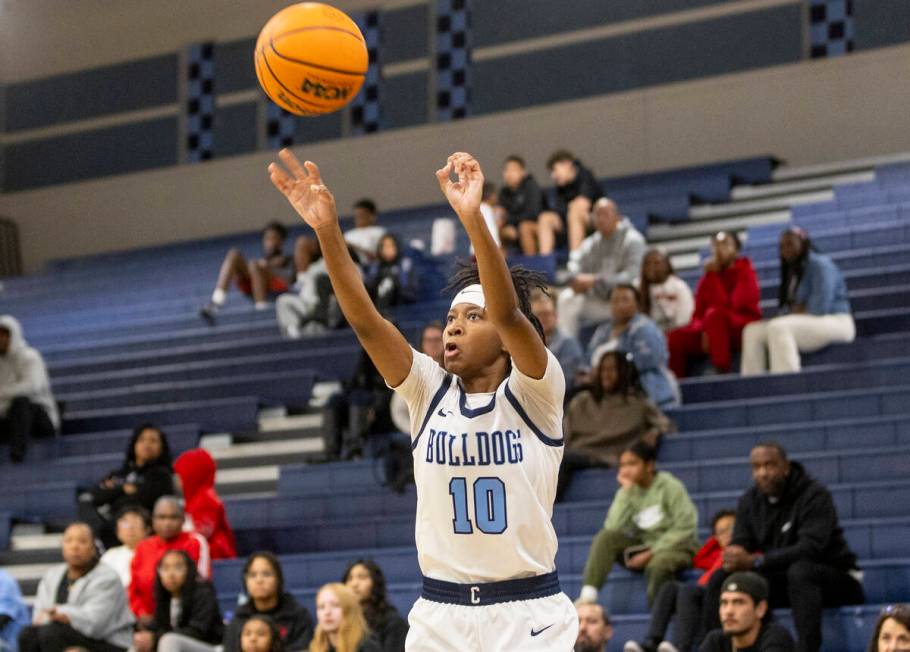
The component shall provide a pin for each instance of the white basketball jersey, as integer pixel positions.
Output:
(485, 467)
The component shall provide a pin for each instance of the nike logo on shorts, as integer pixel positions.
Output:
(541, 631)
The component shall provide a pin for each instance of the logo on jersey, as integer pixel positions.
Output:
(538, 632)
(474, 449)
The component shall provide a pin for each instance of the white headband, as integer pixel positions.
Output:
(471, 294)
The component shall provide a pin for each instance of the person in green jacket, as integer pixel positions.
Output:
(652, 517)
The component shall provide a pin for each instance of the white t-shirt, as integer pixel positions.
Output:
(485, 467)
(672, 303)
(119, 558)
(365, 237)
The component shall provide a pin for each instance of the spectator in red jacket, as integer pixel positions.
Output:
(685, 599)
(167, 525)
(196, 470)
(726, 300)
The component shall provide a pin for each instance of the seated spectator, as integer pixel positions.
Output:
(576, 192)
(744, 612)
(196, 470)
(144, 477)
(726, 300)
(629, 331)
(132, 527)
(390, 279)
(13, 612)
(79, 603)
(814, 310)
(665, 297)
(167, 534)
(520, 200)
(609, 257)
(787, 530)
(187, 617)
(892, 631)
(685, 600)
(364, 237)
(263, 584)
(651, 525)
(365, 579)
(431, 344)
(605, 420)
(594, 628)
(261, 634)
(27, 406)
(270, 274)
(341, 626)
(566, 348)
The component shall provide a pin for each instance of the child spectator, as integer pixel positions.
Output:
(390, 279)
(576, 192)
(520, 201)
(685, 600)
(196, 470)
(665, 297)
(132, 527)
(270, 274)
(167, 525)
(144, 477)
(603, 421)
(341, 626)
(79, 603)
(726, 300)
(814, 310)
(629, 331)
(565, 347)
(366, 580)
(892, 631)
(611, 256)
(261, 634)
(652, 523)
(27, 406)
(263, 583)
(187, 618)
(13, 612)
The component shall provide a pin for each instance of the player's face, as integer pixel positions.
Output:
(563, 172)
(360, 582)
(131, 529)
(739, 614)
(272, 242)
(593, 631)
(148, 446)
(471, 341)
(723, 530)
(172, 572)
(255, 637)
(512, 174)
(893, 637)
(328, 611)
(656, 268)
(78, 545)
(261, 580)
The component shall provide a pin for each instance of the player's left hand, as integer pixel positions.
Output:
(465, 194)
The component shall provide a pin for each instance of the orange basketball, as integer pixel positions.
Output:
(311, 58)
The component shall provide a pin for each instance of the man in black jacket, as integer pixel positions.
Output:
(787, 530)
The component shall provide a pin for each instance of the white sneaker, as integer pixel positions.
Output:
(588, 595)
(632, 646)
(667, 646)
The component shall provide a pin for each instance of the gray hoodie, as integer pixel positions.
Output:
(97, 605)
(22, 373)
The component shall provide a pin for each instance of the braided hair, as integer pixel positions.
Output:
(524, 280)
(628, 381)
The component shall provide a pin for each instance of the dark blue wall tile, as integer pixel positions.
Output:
(235, 129)
(501, 21)
(879, 23)
(114, 150)
(405, 33)
(659, 56)
(91, 93)
(404, 100)
(234, 66)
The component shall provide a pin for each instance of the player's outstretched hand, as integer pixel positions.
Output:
(464, 195)
(303, 187)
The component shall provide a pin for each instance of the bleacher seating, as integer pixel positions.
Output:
(118, 357)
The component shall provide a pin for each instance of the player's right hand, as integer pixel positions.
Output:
(302, 186)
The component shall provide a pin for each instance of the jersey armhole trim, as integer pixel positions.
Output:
(437, 397)
(549, 441)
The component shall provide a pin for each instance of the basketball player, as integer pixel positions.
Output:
(486, 434)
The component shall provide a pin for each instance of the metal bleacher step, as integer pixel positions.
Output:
(788, 173)
(799, 185)
(699, 230)
(765, 205)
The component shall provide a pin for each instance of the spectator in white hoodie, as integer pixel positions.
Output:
(27, 407)
(665, 297)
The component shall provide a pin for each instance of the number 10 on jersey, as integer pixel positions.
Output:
(490, 514)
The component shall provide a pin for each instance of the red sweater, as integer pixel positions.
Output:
(145, 564)
(196, 469)
(735, 288)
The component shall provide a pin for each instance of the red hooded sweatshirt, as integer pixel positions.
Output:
(735, 289)
(144, 566)
(709, 559)
(196, 469)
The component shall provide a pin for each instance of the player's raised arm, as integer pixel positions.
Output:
(304, 189)
(519, 337)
